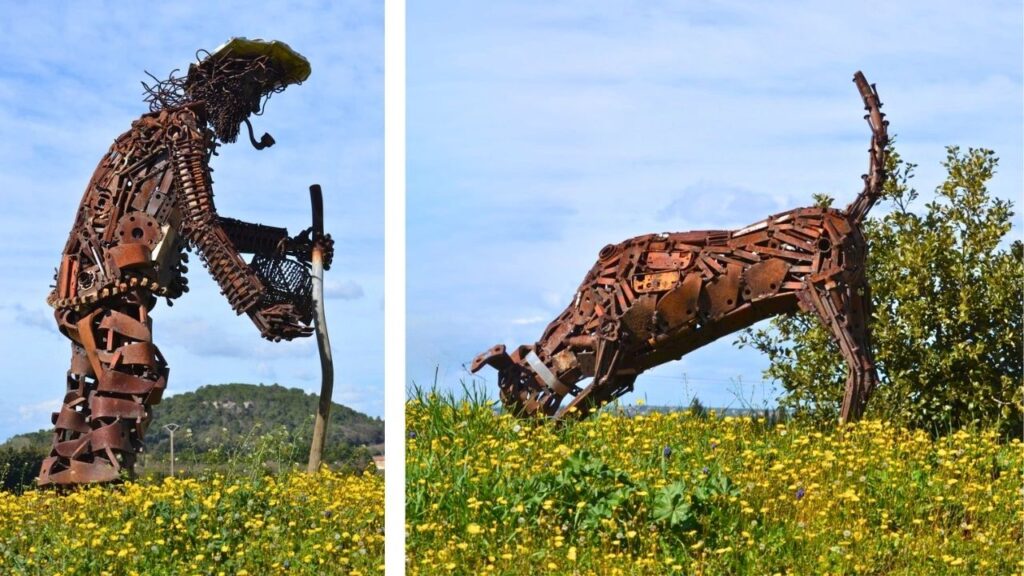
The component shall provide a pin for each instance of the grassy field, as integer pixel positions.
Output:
(293, 523)
(678, 494)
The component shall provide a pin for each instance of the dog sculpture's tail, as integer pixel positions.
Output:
(874, 180)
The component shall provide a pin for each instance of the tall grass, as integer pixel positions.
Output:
(674, 493)
(254, 515)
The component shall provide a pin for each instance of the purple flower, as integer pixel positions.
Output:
(800, 492)
(412, 434)
(666, 451)
(705, 470)
(714, 445)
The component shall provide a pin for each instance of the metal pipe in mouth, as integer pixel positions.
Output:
(266, 141)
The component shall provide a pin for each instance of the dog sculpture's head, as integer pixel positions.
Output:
(521, 391)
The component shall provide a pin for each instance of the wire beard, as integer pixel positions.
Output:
(231, 90)
(227, 122)
(225, 111)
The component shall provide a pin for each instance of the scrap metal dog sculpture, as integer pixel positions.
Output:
(149, 200)
(654, 298)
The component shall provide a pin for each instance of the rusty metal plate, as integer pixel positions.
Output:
(564, 361)
(723, 292)
(668, 260)
(764, 278)
(126, 256)
(656, 282)
(639, 318)
(681, 304)
(138, 228)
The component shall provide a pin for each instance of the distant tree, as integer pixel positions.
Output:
(948, 292)
(777, 415)
(697, 409)
(19, 467)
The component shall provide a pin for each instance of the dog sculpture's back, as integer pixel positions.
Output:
(654, 298)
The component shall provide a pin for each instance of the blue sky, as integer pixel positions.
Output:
(539, 132)
(70, 85)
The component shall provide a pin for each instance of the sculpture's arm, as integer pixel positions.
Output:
(250, 238)
(201, 226)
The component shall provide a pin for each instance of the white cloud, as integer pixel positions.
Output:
(266, 371)
(38, 411)
(529, 320)
(35, 318)
(343, 290)
(361, 399)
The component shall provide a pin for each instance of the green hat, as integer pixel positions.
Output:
(296, 67)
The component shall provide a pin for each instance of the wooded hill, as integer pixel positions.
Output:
(222, 419)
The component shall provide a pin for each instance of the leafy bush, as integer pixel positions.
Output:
(947, 289)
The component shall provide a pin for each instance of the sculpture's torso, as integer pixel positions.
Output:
(656, 297)
(128, 225)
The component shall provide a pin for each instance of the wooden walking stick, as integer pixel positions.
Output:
(316, 450)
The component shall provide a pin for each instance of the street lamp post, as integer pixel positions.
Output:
(170, 430)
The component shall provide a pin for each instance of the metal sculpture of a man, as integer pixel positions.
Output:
(150, 201)
(653, 298)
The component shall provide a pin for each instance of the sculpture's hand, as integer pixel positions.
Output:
(301, 246)
(280, 322)
(326, 245)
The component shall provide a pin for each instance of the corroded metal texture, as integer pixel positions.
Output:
(149, 202)
(654, 298)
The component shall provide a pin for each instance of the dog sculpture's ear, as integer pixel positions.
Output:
(496, 357)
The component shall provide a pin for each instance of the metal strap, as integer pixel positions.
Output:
(545, 374)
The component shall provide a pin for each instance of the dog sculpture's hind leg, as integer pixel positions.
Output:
(654, 298)
(845, 311)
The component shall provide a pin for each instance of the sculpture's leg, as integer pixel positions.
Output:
(596, 395)
(71, 429)
(859, 318)
(610, 382)
(844, 310)
(100, 427)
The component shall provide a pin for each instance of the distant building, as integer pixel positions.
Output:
(378, 461)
